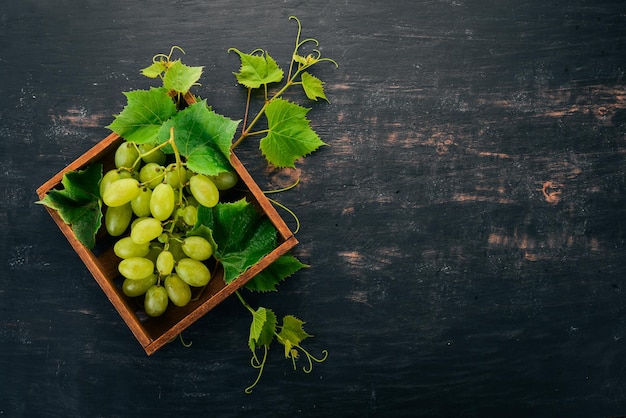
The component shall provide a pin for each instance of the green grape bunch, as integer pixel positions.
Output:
(150, 205)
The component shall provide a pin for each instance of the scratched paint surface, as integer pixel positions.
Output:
(465, 226)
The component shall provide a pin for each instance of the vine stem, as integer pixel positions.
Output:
(264, 131)
(245, 116)
(243, 302)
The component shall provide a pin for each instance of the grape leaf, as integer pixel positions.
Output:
(313, 87)
(180, 77)
(262, 328)
(290, 136)
(273, 274)
(242, 235)
(78, 203)
(202, 136)
(154, 70)
(142, 117)
(291, 334)
(257, 70)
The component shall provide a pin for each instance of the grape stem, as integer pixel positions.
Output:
(179, 166)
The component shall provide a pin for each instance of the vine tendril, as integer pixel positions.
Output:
(289, 211)
(254, 361)
(182, 341)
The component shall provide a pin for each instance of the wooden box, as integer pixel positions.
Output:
(154, 333)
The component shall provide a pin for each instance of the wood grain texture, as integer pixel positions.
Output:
(465, 226)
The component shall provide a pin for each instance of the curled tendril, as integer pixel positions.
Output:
(300, 43)
(182, 341)
(310, 357)
(315, 41)
(292, 17)
(285, 208)
(254, 361)
(284, 189)
(289, 211)
(167, 58)
(310, 59)
(328, 60)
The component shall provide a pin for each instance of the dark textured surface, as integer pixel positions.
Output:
(465, 227)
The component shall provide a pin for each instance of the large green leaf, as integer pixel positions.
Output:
(203, 137)
(142, 117)
(78, 203)
(290, 135)
(257, 69)
(273, 274)
(242, 235)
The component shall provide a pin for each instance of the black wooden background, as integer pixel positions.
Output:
(465, 228)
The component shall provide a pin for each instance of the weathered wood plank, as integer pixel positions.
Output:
(465, 227)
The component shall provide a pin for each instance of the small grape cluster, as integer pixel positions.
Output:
(158, 200)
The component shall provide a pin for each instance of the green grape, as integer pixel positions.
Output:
(151, 174)
(141, 204)
(163, 238)
(175, 175)
(126, 155)
(121, 192)
(197, 248)
(178, 291)
(117, 219)
(162, 201)
(153, 157)
(135, 268)
(204, 190)
(225, 180)
(138, 287)
(145, 230)
(193, 272)
(190, 215)
(136, 221)
(127, 248)
(165, 263)
(108, 178)
(156, 299)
